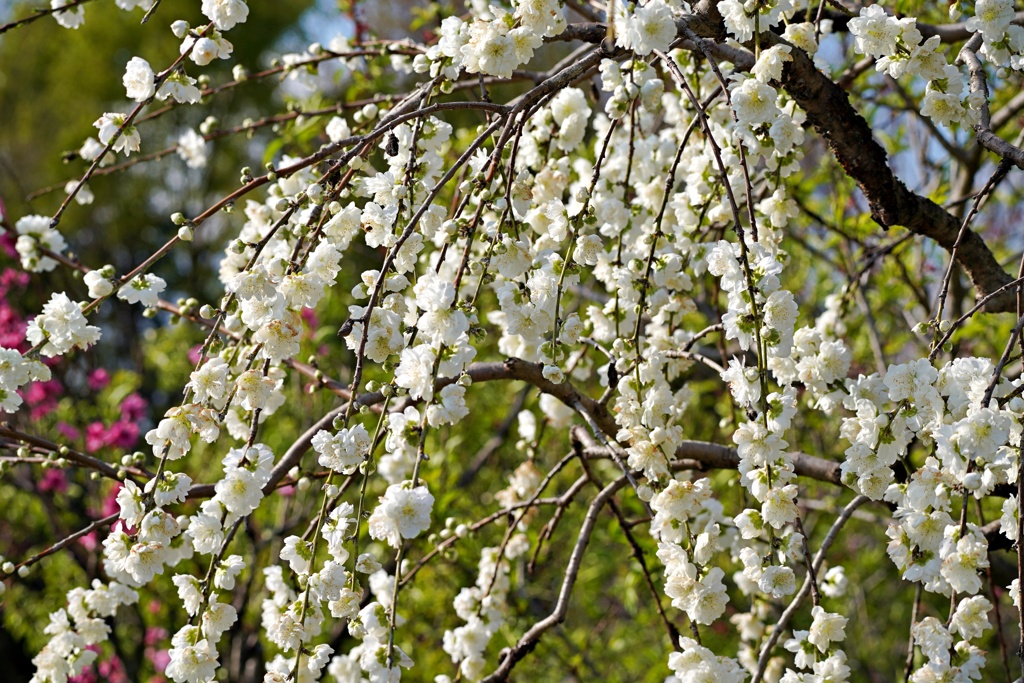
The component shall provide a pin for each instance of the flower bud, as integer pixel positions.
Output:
(370, 111)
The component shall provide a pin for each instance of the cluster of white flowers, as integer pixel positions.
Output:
(193, 654)
(949, 101)
(15, 372)
(155, 542)
(61, 327)
(75, 630)
(483, 607)
(495, 42)
(813, 648)
(246, 472)
(533, 231)
(403, 512)
(269, 295)
(767, 325)
(947, 659)
(34, 234)
(203, 49)
(694, 586)
(1002, 40)
(973, 451)
(292, 620)
(345, 450)
(694, 662)
(646, 27)
(767, 123)
(901, 50)
(744, 18)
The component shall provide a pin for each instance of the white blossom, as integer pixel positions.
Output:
(139, 80)
(402, 513)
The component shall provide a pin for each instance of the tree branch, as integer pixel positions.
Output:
(529, 640)
(862, 158)
(983, 129)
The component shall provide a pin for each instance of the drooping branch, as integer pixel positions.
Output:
(819, 558)
(66, 541)
(529, 640)
(40, 13)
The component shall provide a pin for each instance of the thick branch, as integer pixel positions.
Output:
(701, 454)
(892, 203)
(713, 456)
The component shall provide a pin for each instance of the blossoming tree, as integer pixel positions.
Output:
(657, 320)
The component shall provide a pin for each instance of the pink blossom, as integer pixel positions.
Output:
(309, 315)
(123, 434)
(112, 670)
(12, 327)
(90, 541)
(69, 432)
(160, 659)
(53, 480)
(133, 408)
(36, 392)
(7, 245)
(154, 634)
(12, 279)
(193, 354)
(95, 437)
(87, 676)
(98, 379)
(41, 397)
